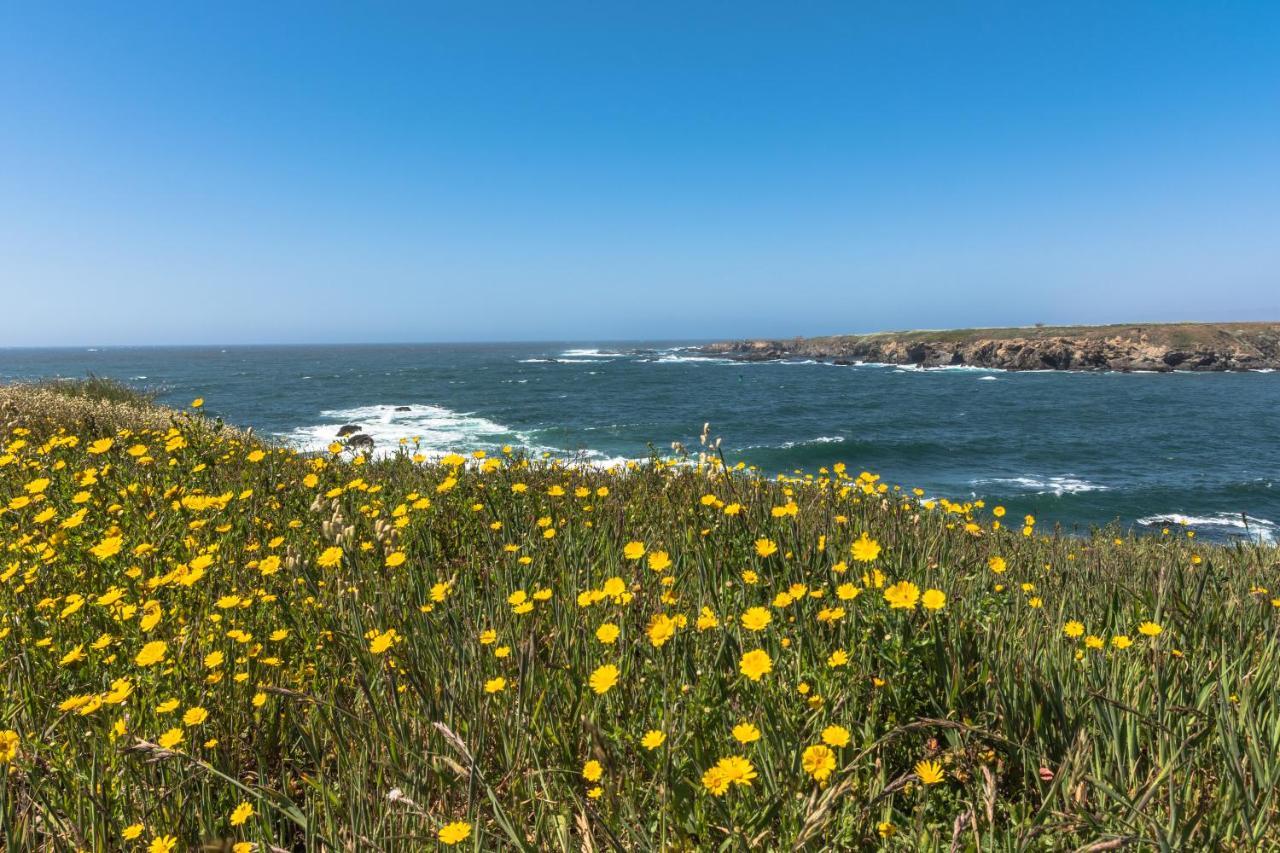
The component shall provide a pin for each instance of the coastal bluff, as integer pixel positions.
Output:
(1159, 347)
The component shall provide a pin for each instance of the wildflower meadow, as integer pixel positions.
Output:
(208, 641)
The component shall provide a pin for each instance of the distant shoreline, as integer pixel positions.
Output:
(1153, 347)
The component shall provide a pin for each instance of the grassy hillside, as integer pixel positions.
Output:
(204, 640)
(1177, 335)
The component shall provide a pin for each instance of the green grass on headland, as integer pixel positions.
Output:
(1179, 335)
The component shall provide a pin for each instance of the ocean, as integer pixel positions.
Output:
(1149, 451)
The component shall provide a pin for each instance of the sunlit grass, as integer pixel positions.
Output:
(208, 640)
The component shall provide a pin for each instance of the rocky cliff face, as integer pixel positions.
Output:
(1159, 348)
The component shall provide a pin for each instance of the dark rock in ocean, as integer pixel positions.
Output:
(348, 429)
(403, 409)
(360, 441)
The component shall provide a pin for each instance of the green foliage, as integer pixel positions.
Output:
(98, 389)
(346, 690)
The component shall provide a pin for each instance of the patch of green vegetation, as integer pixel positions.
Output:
(98, 389)
(1178, 335)
(203, 637)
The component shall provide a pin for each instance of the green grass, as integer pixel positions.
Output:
(1179, 335)
(336, 743)
(98, 389)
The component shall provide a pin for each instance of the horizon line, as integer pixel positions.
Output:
(498, 342)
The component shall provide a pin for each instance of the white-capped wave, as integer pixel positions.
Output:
(967, 368)
(1065, 484)
(941, 368)
(591, 353)
(604, 463)
(988, 378)
(672, 358)
(788, 445)
(434, 431)
(1259, 529)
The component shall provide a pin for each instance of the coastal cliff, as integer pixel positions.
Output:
(1161, 347)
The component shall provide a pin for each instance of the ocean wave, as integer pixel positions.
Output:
(806, 361)
(966, 368)
(672, 358)
(594, 459)
(1259, 529)
(590, 353)
(940, 368)
(788, 445)
(1065, 484)
(437, 430)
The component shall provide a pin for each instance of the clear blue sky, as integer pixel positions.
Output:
(276, 172)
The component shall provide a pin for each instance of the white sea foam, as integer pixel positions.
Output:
(1262, 370)
(988, 378)
(788, 445)
(968, 368)
(437, 430)
(603, 462)
(917, 368)
(822, 439)
(1066, 484)
(590, 353)
(672, 358)
(1260, 529)
(434, 431)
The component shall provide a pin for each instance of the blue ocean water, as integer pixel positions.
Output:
(1147, 450)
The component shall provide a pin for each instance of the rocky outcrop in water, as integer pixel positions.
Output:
(1155, 347)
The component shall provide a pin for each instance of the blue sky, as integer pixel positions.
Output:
(276, 172)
